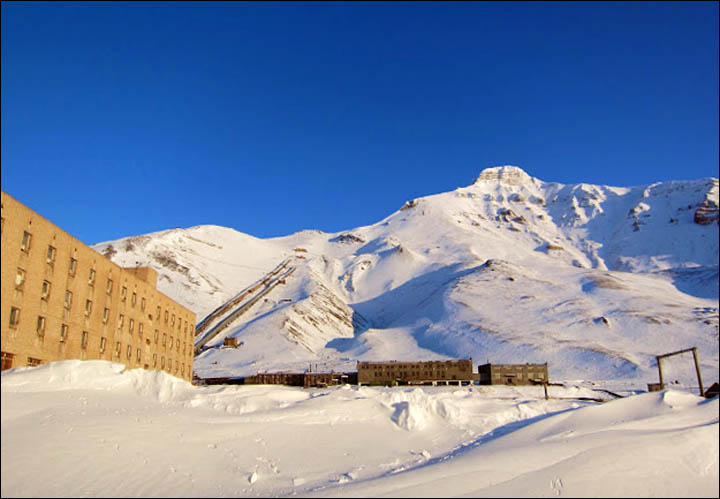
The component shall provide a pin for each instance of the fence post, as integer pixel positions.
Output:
(697, 370)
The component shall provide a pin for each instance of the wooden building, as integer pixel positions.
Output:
(513, 374)
(417, 372)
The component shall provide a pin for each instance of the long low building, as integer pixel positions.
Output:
(305, 379)
(415, 372)
(63, 300)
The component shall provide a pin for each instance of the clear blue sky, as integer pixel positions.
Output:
(125, 118)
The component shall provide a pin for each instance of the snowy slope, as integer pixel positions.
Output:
(595, 280)
(93, 429)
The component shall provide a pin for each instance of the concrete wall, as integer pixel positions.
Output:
(121, 314)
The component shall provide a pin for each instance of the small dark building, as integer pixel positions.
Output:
(712, 391)
(417, 372)
(230, 342)
(513, 374)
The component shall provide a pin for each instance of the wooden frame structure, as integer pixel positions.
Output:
(697, 366)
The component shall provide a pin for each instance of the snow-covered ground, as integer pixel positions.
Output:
(595, 280)
(91, 429)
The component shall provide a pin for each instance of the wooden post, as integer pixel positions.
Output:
(545, 388)
(697, 370)
(659, 363)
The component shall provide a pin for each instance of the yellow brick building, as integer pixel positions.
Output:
(63, 300)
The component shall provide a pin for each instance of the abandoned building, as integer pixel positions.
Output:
(430, 372)
(63, 300)
(305, 379)
(513, 374)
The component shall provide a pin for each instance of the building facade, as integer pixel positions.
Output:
(417, 372)
(513, 374)
(63, 300)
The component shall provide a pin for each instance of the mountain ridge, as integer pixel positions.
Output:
(596, 278)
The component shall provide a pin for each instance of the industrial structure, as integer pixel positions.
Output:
(393, 373)
(513, 374)
(63, 300)
(305, 379)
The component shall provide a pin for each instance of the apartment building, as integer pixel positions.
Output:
(513, 374)
(63, 300)
(445, 372)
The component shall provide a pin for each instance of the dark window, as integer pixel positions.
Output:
(14, 316)
(26, 240)
(51, 254)
(7, 360)
(73, 266)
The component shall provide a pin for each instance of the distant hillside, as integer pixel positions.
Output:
(595, 280)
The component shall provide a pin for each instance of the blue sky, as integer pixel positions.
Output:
(126, 118)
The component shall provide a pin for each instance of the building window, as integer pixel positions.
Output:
(88, 308)
(154, 360)
(84, 340)
(157, 334)
(63, 333)
(41, 325)
(108, 286)
(26, 240)
(129, 351)
(171, 342)
(164, 338)
(133, 299)
(121, 321)
(131, 326)
(7, 360)
(106, 315)
(162, 362)
(19, 278)
(172, 320)
(50, 255)
(157, 314)
(68, 299)
(73, 266)
(14, 316)
(32, 362)
(118, 348)
(140, 330)
(142, 304)
(102, 344)
(123, 293)
(177, 346)
(45, 294)
(166, 316)
(139, 355)
(91, 277)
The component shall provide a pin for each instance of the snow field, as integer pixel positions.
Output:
(93, 429)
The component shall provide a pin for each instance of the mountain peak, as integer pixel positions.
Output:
(510, 175)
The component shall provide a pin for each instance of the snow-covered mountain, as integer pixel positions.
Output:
(595, 280)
